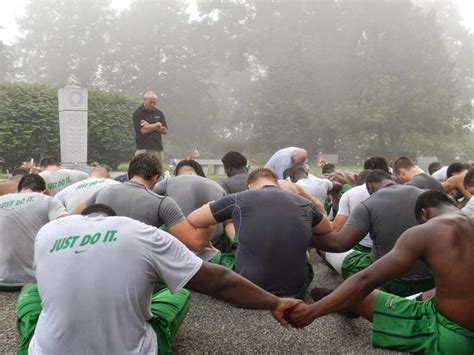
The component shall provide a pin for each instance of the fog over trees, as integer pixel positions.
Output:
(347, 77)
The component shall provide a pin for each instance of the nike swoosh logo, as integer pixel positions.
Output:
(79, 251)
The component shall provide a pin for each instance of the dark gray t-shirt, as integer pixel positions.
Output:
(191, 192)
(274, 229)
(136, 201)
(236, 183)
(425, 182)
(386, 215)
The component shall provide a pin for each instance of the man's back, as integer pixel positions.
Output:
(21, 217)
(95, 278)
(136, 201)
(281, 160)
(235, 183)
(449, 252)
(76, 193)
(316, 187)
(189, 191)
(274, 228)
(425, 182)
(386, 214)
(58, 180)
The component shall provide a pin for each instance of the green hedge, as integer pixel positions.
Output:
(29, 125)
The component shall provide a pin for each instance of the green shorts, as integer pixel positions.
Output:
(360, 247)
(168, 312)
(357, 261)
(415, 326)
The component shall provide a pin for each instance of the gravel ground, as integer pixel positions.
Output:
(216, 327)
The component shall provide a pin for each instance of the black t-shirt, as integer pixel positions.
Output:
(274, 229)
(150, 141)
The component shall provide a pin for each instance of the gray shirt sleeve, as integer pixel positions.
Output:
(56, 209)
(170, 213)
(360, 218)
(160, 188)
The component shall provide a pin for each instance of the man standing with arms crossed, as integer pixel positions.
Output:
(149, 124)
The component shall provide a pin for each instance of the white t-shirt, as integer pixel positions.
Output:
(21, 217)
(79, 192)
(349, 200)
(469, 208)
(281, 160)
(95, 278)
(316, 187)
(440, 174)
(58, 180)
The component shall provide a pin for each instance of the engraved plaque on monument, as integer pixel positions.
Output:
(73, 126)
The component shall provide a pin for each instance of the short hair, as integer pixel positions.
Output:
(469, 178)
(402, 163)
(99, 208)
(144, 165)
(455, 167)
(376, 162)
(193, 164)
(328, 168)
(32, 181)
(432, 198)
(434, 167)
(377, 176)
(234, 160)
(362, 177)
(293, 170)
(149, 94)
(100, 172)
(262, 173)
(20, 171)
(48, 161)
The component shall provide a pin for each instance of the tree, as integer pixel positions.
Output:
(64, 40)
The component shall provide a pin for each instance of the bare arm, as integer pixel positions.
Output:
(193, 237)
(202, 217)
(456, 182)
(338, 222)
(147, 128)
(219, 282)
(322, 227)
(337, 242)
(404, 254)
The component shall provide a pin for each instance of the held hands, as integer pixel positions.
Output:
(293, 312)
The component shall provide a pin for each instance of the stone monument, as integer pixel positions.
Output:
(73, 126)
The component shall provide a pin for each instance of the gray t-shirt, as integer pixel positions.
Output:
(136, 201)
(21, 217)
(95, 278)
(386, 215)
(191, 192)
(58, 180)
(281, 160)
(425, 182)
(235, 183)
(79, 192)
(316, 187)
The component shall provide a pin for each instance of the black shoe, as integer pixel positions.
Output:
(319, 293)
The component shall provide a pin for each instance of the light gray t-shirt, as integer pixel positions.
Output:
(95, 278)
(316, 187)
(58, 180)
(21, 217)
(386, 214)
(347, 203)
(191, 192)
(136, 201)
(79, 192)
(281, 160)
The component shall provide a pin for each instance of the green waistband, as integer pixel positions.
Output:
(454, 327)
